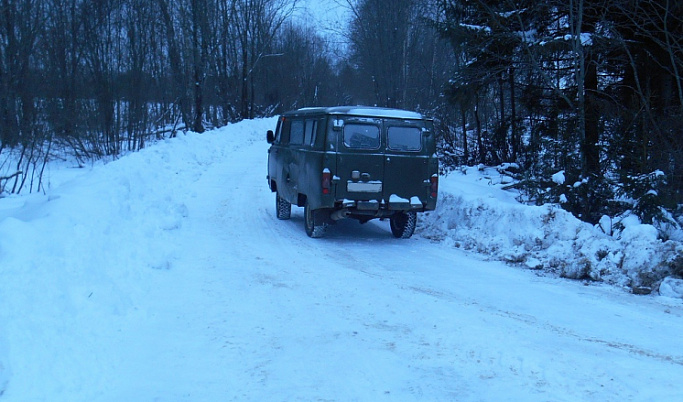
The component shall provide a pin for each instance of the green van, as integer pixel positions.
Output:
(353, 162)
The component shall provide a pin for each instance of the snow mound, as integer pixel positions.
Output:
(671, 287)
(83, 255)
(475, 213)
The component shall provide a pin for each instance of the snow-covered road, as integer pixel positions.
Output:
(166, 276)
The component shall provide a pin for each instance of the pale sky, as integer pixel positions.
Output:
(329, 16)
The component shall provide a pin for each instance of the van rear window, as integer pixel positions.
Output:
(404, 138)
(361, 136)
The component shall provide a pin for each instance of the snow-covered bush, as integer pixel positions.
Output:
(475, 213)
(644, 199)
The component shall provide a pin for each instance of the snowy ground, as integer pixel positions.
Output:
(166, 276)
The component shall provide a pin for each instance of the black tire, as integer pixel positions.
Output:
(403, 224)
(283, 209)
(313, 229)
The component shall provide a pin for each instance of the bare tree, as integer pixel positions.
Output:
(257, 22)
(21, 24)
(176, 61)
(226, 61)
(298, 72)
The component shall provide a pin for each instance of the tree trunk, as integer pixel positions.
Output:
(513, 116)
(176, 64)
(591, 117)
(480, 142)
(465, 148)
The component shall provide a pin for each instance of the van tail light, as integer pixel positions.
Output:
(434, 188)
(326, 181)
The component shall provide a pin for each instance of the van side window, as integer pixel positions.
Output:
(404, 138)
(297, 135)
(286, 128)
(361, 136)
(278, 131)
(311, 130)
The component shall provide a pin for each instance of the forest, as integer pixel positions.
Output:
(579, 101)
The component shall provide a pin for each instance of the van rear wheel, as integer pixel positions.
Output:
(403, 224)
(283, 209)
(314, 229)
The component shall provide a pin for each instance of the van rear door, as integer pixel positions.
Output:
(407, 164)
(360, 160)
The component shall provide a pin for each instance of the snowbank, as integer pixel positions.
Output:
(83, 256)
(475, 213)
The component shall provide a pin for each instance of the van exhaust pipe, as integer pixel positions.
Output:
(340, 214)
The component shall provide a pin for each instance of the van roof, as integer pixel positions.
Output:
(364, 111)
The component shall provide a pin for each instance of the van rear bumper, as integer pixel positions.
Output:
(384, 208)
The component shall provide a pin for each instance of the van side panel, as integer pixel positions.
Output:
(327, 144)
(286, 164)
(278, 155)
(273, 152)
(311, 158)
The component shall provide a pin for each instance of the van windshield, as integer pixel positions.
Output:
(404, 138)
(361, 136)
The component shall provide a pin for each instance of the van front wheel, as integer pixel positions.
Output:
(403, 224)
(314, 229)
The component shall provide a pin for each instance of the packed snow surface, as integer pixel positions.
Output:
(165, 275)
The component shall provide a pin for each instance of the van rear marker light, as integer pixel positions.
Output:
(326, 181)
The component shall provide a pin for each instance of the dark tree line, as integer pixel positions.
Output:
(396, 58)
(592, 88)
(103, 77)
